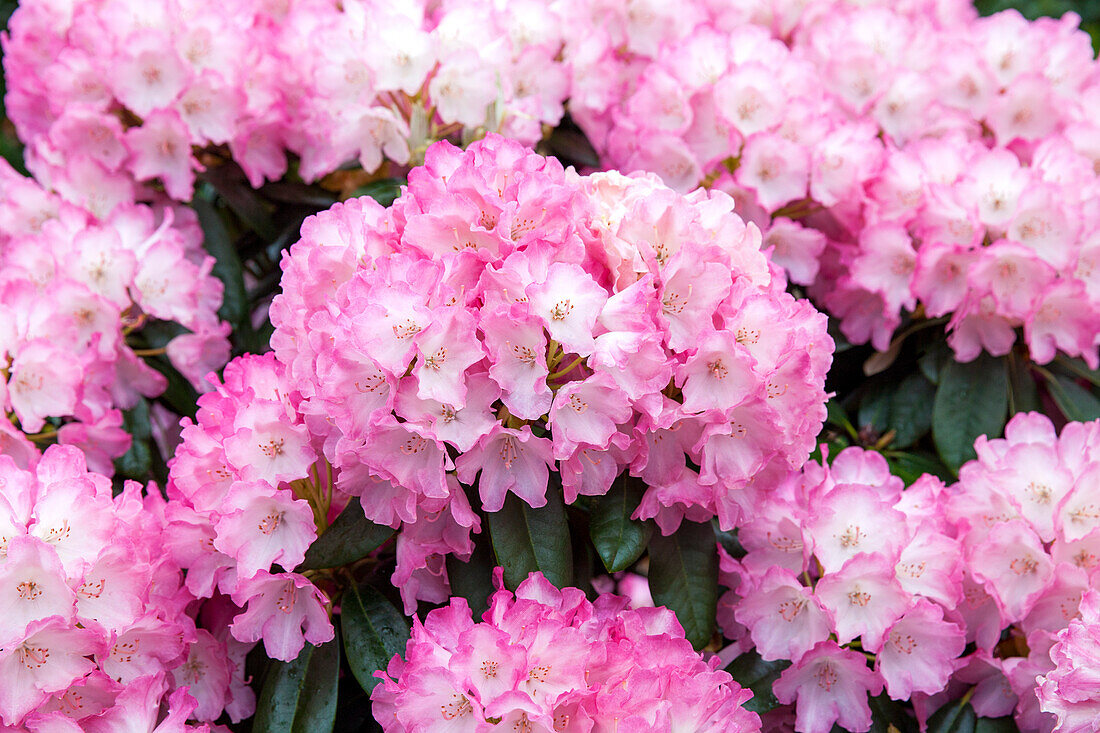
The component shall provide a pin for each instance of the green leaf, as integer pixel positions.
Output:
(1007, 724)
(385, 191)
(953, 718)
(373, 631)
(300, 696)
(729, 541)
(935, 357)
(683, 576)
(298, 194)
(750, 671)
(232, 185)
(619, 539)
(137, 462)
(1075, 402)
(569, 144)
(837, 417)
(473, 579)
(180, 396)
(1023, 392)
(527, 539)
(972, 400)
(349, 538)
(904, 407)
(227, 265)
(886, 713)
(910, 466)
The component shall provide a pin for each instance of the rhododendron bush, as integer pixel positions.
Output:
(549, 366)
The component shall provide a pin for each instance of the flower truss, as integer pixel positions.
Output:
(1071, 690)
(73, 287)
(241, 499)
(509, 319)
(108, 98)
(548, 661)
(94, 630)
(853, 580)
(1026, 513)
(900, 158)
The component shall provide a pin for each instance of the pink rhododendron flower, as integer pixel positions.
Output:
(74, 285)
(106, 101)
(1024, 514)
(506, 318)
(545, 659)
(94, 611)
(844, 568)
(880, 146)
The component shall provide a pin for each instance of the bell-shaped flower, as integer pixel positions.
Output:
(854, 519)
(50, 658)
(718, 376)
(587, 412)
(569, 303)
(831, 685)
(32, 588)
(509, 460)
(864, 598)
(784, 617)
(1013, 565)
(284, 610)
(920, 653)
(262, 525)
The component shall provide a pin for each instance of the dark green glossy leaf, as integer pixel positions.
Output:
(910, 466)
(299, 194)
(526, 540)
(953, 718)
(385, 191)
(729, 541)
(887, 713)
(300, 696)
(619, 540)
(683, 575)
(750, 671)
(137, 462)
(932, 361)
(373, 631)
(904, 407)
(180, 396)
(473, 579)
(227, 265)
(1077, 368)
(1007, 724)
(972, 400)
(232, 185)
(1075, 402)
(1023, 391)
(569, 144)
(837, 417)
(348, 539)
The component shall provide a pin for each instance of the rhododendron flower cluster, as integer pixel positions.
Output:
(108, 98)
(1026, 515)
(1071, 690)
(842, 565)
(547, 660)
(106, 95)
(899, 159)
(93, 630)
(508, 318)
(377, 79)
(242, 499)
(72, 288)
